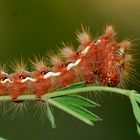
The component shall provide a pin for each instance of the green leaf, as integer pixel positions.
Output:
(51, 116)
(137, 98)
(138, 129)
(78, 115)
(83, 111)
(136, 108)
(75, 85)
(2, 138)
(76, 99)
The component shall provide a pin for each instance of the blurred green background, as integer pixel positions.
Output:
(33, 27)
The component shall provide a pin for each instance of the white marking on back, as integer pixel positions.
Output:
(28, 79)
(77, 62)
(71, 65)
(85, 51)
(6, 81)
(51, 74)
(98, 41)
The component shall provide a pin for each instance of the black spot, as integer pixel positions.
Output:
(3, 78)
(78, 53)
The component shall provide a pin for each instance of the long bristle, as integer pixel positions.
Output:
(16, 110)
(126, 45)
(17, 65)
(55, 60)
(127, 62)
(109, 31)
(2, 68)
(84, 36)
(40, 111)
(39, 62)
(67, 51)
(128, 70)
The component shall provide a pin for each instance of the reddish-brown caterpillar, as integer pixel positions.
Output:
(100, 62)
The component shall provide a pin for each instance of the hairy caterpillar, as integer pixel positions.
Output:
(100, 62)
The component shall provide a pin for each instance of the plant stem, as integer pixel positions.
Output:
(72, 91)
(87, 89)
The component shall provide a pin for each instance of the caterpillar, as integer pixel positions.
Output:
(102, 61)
